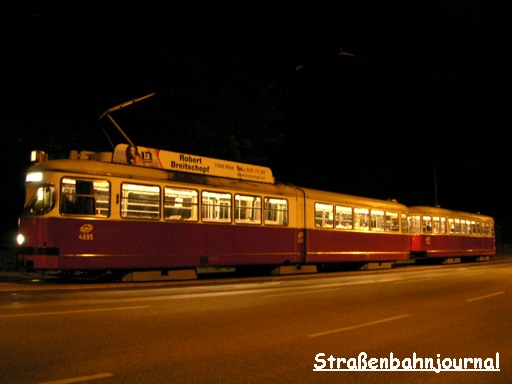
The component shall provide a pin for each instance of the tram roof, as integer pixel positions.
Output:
(427, 210)
(340, 198)
(150, 158)
(100, 165)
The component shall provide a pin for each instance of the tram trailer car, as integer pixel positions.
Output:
(448, 236)
(345, 228)
(92, 214)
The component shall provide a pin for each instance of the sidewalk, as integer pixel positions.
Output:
(19, 281)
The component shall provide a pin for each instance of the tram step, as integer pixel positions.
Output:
(451, 260)
(377, 265)
(293, 270)
(180, 274)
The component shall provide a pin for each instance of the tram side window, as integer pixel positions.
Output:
(140, 201)
(102, 192)
(276, 211)
(473, 227)
(216, 206)
(247, 209)
(436, 224)
(180, 204)
(85, 197)
(391, 222)
(442, 228)
(414, 224)
(427, 224)
(465, 227)
(344, 217)
(324, 215)
(451, 224)
(377, 220)
(457, 226)
(405, 223)
(361, 218)
(489, 229)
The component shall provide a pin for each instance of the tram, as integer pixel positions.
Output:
(447, 235)
(143, 210)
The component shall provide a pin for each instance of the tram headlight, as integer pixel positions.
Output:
(34, 177)
(20, 239)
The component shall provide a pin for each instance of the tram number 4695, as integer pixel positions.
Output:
(86, 232)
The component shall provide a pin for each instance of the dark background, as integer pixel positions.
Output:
(404, 100)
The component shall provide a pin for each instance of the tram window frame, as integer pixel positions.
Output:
(391, 221)
(324, 215)
(443, 226)
(475, 228)
(180, 204)
(361, 219)
(275, 211)
(103, 190)
(86, 197)
(42, 200)
(426, 224)
(404, 223)
(140, 201)
(414, 224)
(451, 224)
(436, 224)
(457, 225)
(377, 221)
(344, 217)
(247, 209)
(216, 206)
(465, 227)
(478, 228)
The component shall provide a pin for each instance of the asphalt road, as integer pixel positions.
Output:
(261, 330)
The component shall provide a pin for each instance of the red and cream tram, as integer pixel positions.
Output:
(443, 234)
(97, 213)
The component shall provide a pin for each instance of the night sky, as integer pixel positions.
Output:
(405, 100)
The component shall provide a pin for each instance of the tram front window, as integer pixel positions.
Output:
(41, 202)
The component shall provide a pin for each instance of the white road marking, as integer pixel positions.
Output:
(75, 311)
(486, 296)
(413, 280)
(304, 292)
(332, 286)
(79, 379)
(359, 325)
